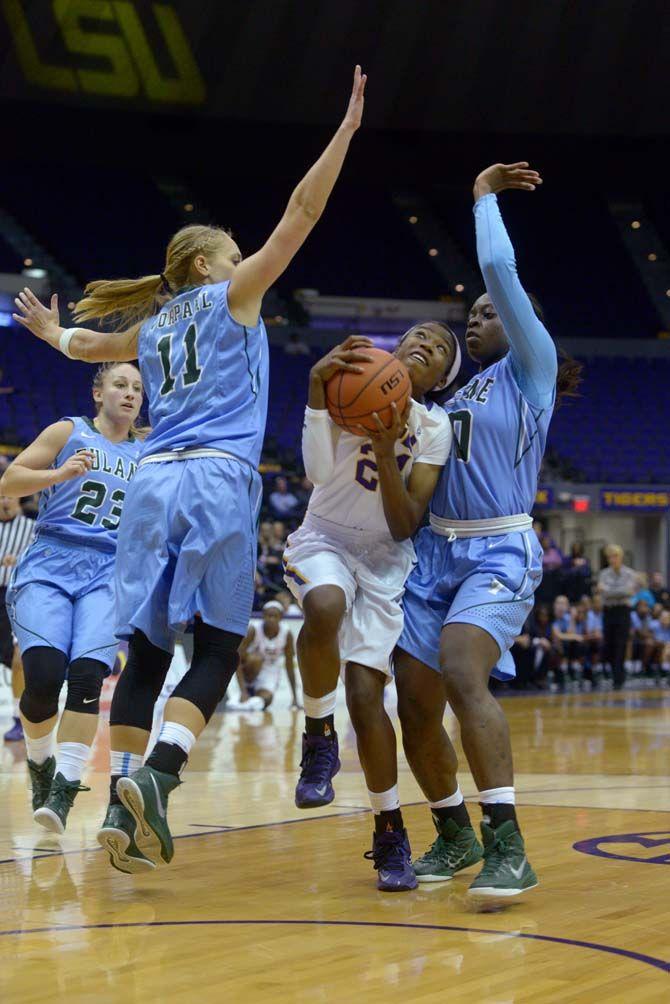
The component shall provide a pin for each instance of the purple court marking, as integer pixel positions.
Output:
(593, 846)
(648, 960)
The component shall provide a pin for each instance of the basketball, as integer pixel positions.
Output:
(352, 398)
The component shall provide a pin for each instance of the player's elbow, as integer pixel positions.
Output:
(308, 209)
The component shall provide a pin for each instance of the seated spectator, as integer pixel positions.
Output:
(644, 592)
(532, 649)
(272, 540)
(660, 591)
(283, 504)
(552, 559)
(295, 345)
(568, 641)
(661, 632)
(642, 635)
(594, 631)
(577, 573)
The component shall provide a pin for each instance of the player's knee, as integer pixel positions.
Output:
(140, 684)
(84, 683)
(44, 673)
(324, 607)
(365, 699)
(215, 660)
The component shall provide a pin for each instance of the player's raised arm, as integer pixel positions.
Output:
(32, 469)
(76, 343)
(254, 276)
(532, 350)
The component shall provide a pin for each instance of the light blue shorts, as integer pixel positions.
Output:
(485, 581)
(187, 546)
(62, 596)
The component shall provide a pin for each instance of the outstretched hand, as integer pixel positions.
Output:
(354, 113)
(384, 440)
(499, 177)
(33, 315)
(346, 356)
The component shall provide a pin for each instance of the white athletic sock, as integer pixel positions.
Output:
(123, 764)
(71, 760)
(384, 801)
(15, 707)
(503, 796)
(39, 750)
(450, 802)
(319, 707)
(178, 735)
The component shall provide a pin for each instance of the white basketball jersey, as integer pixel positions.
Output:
(351, 499)
(271, 650)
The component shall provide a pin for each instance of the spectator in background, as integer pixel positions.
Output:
(295, 345)
(283, 504)
(532, 649)
(568, 642)
(644, 592)
(594, 630)
(661, 632)
(644, 642)
(617, 584)
(552, 559)
(660, 591)
(577, 573)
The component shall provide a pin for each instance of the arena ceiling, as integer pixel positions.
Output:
(582, 67)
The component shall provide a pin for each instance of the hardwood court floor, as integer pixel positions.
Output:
(265, 902)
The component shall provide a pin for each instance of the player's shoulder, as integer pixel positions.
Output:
(430, 418)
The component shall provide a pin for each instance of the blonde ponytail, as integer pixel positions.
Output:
(123, 301)
(129, 301)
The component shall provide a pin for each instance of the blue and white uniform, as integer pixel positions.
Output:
(479, 561)
(188, 540)
(62, 591)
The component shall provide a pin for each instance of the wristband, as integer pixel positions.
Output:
(64, 341)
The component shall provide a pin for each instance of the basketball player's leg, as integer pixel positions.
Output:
(318, 574)
(421, 707)
(479, 630)
(92, 653)
(15, 733)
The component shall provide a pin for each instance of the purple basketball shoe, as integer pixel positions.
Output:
(320, 763)
(392, 858)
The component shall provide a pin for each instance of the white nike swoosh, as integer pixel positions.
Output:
(89, 700)
(384, 876)
(161, 809)
(87, 435)
(321, 791)
(516, 872)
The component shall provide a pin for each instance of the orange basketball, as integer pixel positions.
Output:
(353, 397)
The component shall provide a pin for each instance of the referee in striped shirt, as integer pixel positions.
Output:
(16, 533)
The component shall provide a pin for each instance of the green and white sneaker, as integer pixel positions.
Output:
(455, 848)
(53, 814)
(117, 837)
(506, 870)
(41, 776)
(145, 795)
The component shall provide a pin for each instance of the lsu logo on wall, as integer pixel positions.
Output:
(126, 65)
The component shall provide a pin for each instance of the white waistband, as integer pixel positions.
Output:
(346, 534)
(453, 529)
(194, 454)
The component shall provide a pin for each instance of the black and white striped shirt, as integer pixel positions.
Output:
(15, 536)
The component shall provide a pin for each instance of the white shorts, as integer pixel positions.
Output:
(371, 573)
(266, 679)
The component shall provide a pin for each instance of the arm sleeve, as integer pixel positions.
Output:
(532, 351)
(436, 450)
(318, 450)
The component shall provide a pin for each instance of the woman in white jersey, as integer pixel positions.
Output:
(267, 649)
(347, 565)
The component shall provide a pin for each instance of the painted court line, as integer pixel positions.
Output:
(648, 960)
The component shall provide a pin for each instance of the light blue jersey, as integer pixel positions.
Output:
(88, 509)
(500, 422)
(62, 590)
(205, 376)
